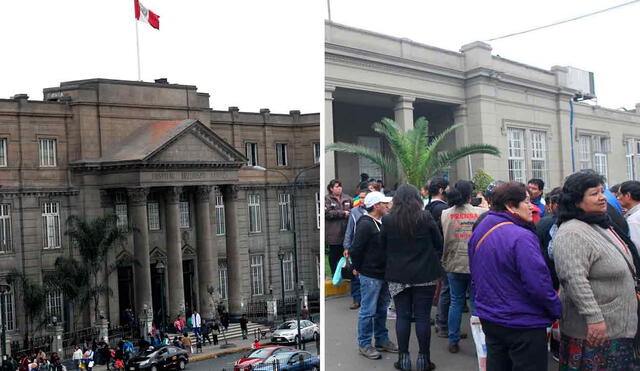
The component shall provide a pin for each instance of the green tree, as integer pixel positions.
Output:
(482, 180)
(34, 301)
(84, 280)
(414, 158)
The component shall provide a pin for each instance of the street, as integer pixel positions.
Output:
(226, 362)
(342, 352)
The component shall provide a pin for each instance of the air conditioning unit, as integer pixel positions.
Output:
(582, 81)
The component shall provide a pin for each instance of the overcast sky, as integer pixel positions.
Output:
(251, 54)
(606, 44)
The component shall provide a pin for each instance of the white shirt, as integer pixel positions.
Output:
(195, 320)
(77, 354)
(633, 219)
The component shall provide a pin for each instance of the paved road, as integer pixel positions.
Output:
(226, 362)
(342, 353)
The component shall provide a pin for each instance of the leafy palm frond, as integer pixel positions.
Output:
(414, 158)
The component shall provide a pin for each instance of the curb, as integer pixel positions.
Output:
(203, 357)
(330, 290)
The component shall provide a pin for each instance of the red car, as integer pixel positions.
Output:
(257, 356)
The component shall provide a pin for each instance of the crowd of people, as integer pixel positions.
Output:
(527, 261)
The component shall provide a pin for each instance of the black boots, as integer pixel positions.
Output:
(423, 363)
(404, 362)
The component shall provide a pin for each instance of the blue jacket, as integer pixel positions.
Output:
(541, 205)
(350, 233)
(510, 279)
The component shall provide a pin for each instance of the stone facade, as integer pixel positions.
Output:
(506, 103)
(159, 155)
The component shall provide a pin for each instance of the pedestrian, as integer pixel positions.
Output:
(369, 261)
(206, 332)
(436, 188)
(215, 331)
(513, 294)
(629, 197)
(196, 322)
(457, 223)
(597, 275)
(178, 324)
(413, 245)
(337, 206)
(256, 344)
(304, 313)
(356, 212)
(55, 362)
(536, 188)
(243, 326)
(77, 357)
(224, 320)
(7, 364)
(188, 344)
(88, 359)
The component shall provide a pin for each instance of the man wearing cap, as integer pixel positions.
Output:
(357, 211)
(369, 260)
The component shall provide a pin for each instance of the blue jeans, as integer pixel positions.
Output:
(355, 289)
(372, 318)
(442, 317)
(458, 284)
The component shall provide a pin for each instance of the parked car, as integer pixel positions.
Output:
(294, 360)
(163, 358)
(287, 332)
(258, 355)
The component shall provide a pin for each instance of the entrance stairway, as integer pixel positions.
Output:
(234, 332)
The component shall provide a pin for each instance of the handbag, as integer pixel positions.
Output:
(347, 270)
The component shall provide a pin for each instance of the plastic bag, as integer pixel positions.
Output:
(337, 276)
(481, 344)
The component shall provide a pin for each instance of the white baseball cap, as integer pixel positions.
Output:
(373, 198)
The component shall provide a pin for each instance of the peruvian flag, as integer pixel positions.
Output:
(145, 15)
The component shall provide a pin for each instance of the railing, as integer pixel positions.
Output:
(39, 342)
(257, 311)
(120, 333)
(73, 338)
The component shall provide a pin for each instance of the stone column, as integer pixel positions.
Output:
(142, 269)
(174, 254)
(329, 159)
(403, 112)
(462, 139)
(207, 256)
(229, 194)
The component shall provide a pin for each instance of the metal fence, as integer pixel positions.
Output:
(120, 333)
(30, 345)
(72, 338)
(257, 311)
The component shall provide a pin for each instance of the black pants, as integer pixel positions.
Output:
(215, 339)
(414, 303)
(515, 349)
(335, 253)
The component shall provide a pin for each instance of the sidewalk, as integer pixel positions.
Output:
(212, 351)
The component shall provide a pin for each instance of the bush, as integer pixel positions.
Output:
(481, 180)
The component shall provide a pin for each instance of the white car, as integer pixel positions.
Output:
(288, 332)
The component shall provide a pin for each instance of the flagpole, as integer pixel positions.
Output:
(138, 50)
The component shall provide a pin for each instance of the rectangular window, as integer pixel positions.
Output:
(153, 215)
(8, 305)
(222, 279)
(54, 304)
(257, 278)
(184, 211)
(251, 151)
(51, 225)
(220, 227)
(316, 153)
(5, 229)
(287, 268)
(318, 210)
(281, 154)
(630, 156)
(3, 152)
(47, 152)
(121, 209)
(255, 222)
(284, 204)
(516, 155)
(584, 151)
(600, 160)
(539, 155)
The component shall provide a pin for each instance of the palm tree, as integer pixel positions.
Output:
(84, 281)
(414, 157)
(34, 302)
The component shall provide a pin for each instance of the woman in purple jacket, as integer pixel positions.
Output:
(514, 297)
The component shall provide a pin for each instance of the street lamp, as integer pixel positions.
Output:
(160, 269)
(293, 230)
(3, 289)
(281, 255)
